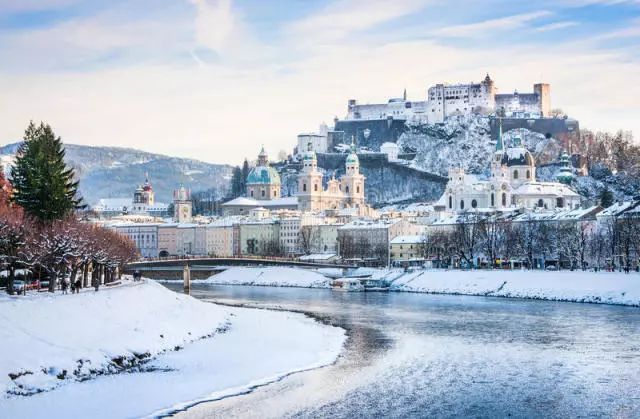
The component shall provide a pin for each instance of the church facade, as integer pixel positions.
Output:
(511, 184)
(344, 193)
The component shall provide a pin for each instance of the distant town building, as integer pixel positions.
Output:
(143, 203)
(263, 181)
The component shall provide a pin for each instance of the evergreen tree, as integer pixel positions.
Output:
(236, 182)
(606, 198)
(245, 175)
(42, 183)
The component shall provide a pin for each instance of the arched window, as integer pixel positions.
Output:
(462, 204)
(528, 174)
(515, 174)
(450, 202)
(357, 189)
(251, 193)
(504, 199)
(474, 204)
(263, 193)
(540, 203)
(304, 187)
(493, 199)
(315, 187)
(274, 193)
(346, 189)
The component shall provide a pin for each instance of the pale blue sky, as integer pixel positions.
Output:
(214, 79)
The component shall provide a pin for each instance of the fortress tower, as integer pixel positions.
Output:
(543, 90)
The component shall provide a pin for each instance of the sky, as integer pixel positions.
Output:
(216, 79)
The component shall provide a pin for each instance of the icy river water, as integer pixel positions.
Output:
(418, 355)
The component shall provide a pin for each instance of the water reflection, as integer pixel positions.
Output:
(417, 355)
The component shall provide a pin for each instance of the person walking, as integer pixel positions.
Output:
(78, 285)
(64, 285)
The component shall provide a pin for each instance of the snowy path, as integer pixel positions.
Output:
(259, 347)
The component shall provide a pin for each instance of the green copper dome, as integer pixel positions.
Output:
(263, 175)
(353, 159)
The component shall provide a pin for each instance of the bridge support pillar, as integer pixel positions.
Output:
(186, 276)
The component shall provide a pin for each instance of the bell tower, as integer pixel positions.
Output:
(182, 205)
(352, 183)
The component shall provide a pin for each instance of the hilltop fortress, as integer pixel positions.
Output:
(445, 100)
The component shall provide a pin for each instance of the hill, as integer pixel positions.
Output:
(114, 172)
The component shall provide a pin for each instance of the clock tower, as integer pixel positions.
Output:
(182, 205)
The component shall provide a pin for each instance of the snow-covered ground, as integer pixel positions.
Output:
(271, 276)
(63, 350)
(592, 287)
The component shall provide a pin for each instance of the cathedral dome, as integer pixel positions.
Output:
(518, 156)
(263, 175)
(353, 159)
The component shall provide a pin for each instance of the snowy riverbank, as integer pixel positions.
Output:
(64, 351)
(576, 286)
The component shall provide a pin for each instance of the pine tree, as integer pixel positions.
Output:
(606, 198)
(42, 183)
(236, 182)
(245, 175)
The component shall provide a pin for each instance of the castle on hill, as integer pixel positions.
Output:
(445, 100)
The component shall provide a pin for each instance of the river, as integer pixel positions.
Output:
(418, 355)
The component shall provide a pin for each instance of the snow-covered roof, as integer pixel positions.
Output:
(545, 188)
(241, 201)
(618, 208)
(407, 240)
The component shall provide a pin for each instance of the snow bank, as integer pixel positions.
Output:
(48, 340)
(272, 276)
(149, 329)
(577, 286)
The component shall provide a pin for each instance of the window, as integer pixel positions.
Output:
(315, 187)
(357, 189)
(251, 194)
(504, 199)
(346, 189)
(474, 204)
(450, 202)
(263, 193)
(528, 174)
(462, 204)
(515, 174)
(304, 187)
(493, 199)
(559, 202)
(540, 203)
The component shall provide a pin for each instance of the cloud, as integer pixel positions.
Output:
(555, 26)
(341, 18)
(215, 23)
(500, 24)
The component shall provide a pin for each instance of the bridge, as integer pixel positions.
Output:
(204, 267)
